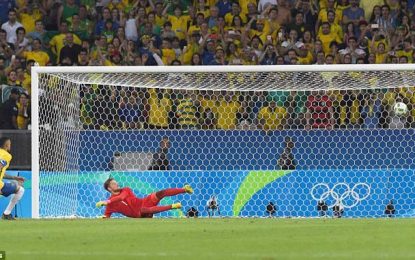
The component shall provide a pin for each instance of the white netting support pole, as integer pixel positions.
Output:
(35, 143)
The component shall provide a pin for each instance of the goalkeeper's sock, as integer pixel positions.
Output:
(14, 201)
(155, 209)
(169, 192)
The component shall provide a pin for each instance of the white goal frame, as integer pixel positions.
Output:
(36, 70)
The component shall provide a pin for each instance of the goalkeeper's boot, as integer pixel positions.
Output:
(7, 217)
(177, 205)
(188, 189)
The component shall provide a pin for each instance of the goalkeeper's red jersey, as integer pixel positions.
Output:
(125, 203)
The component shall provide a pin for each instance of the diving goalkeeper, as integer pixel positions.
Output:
(124, 201)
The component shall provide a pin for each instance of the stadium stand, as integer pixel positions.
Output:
(207, 32)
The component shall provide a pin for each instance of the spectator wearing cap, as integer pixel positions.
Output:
(116, 58)
(9, 111)
(147, 50)
(11, 25)
(147, 28)
(219, 57)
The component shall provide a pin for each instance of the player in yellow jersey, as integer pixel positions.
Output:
(7, 188)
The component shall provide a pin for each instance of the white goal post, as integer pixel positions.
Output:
(351, 186)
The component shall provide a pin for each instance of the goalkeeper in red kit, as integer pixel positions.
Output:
(124, 201)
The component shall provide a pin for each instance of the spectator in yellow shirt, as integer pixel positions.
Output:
(58, 41)
(235, 11)
(327, 36)
(227, 111)
(167, 53)
(272, 117)
(28, 15)
(178, 22)
(36, 53)
(160, 106)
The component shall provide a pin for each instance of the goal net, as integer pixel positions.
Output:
(253, 141)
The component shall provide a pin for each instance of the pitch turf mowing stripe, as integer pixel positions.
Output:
(254, 182)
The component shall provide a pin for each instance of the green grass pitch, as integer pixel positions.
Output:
(209, 239)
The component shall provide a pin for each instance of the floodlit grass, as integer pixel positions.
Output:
(209, 239)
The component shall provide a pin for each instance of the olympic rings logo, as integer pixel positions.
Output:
(349, 194)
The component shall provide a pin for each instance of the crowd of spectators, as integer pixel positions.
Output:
(208, 32)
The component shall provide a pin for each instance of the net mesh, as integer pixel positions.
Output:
(287, 144)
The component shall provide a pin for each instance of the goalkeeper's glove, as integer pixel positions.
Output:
(101, 203)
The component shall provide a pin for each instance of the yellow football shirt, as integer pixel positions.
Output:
(159, 109)
(179, 25)
(40, 57)
(5, 159)
(58, 42)
(226, 113)
(272, 119)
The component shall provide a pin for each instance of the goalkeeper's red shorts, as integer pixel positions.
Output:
(150, 201)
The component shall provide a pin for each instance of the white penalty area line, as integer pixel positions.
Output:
(275, 255)
(78, 253)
